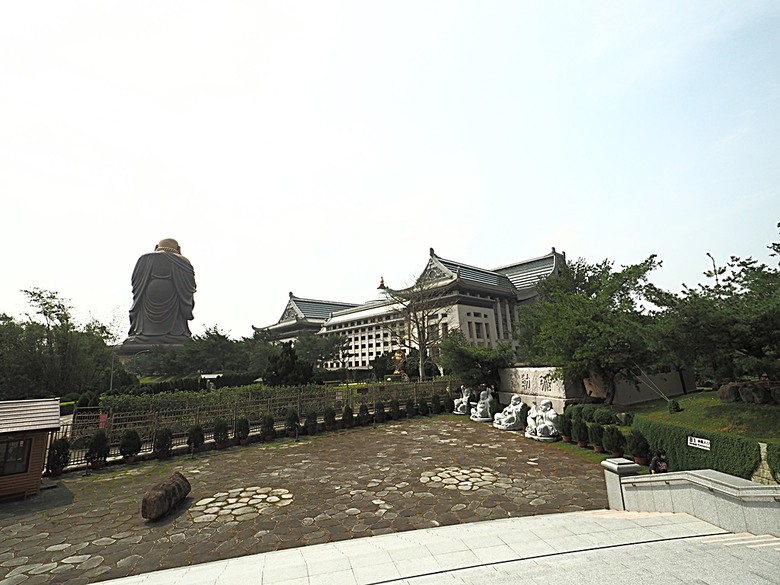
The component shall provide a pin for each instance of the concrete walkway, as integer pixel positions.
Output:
(582, 548)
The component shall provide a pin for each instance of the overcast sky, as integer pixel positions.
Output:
(315, 147)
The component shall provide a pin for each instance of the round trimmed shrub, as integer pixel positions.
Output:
(614, 440)
(59, 455)
(422, 406)
(130, 443)
(564, 423)
(220, 432)
(195, 437)
(364, 417)
(579, 431)
(98, 447)
(291, 421)
(410, 408)
(638, 445)
(347, 417)
(379, 412)
(242, 429)
(395, 410)
(267, 426)
(574, 411)
(596, 434)
(605, 416)
(329, 416)
(163, 441)
(311, 422)
(588, 410)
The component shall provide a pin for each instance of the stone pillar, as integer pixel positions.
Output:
(614, 469)
(497, 319)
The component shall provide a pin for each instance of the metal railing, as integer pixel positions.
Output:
(87, 421)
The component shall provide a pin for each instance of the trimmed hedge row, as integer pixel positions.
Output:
(727, 454)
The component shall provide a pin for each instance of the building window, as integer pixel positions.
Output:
(15, 457)
(471, 329)
(478, 330)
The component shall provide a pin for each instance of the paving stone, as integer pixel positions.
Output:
(328, 493)
(75, 559)
(23, 569)
(205, 518)
(45, 568)
(15, 580)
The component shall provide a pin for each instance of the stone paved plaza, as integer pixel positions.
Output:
(393, 477)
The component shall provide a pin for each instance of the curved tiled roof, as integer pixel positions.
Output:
(474, 274)
(527, 273)
(312, 309)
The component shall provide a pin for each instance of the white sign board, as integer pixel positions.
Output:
(699, 443)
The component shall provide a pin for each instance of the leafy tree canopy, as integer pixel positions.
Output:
(48, 354)
(473, 364)
(590, 319)
(729, 327)
(317, 349)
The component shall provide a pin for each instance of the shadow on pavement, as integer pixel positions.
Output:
(53, 495)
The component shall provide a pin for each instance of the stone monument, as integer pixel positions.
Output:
(462, 403)
(509, 418)
(542, 423)
(163, 299)
(481, 412)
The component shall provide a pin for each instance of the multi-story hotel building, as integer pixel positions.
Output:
(480, 303)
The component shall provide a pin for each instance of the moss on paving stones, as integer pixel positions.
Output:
(319, 492)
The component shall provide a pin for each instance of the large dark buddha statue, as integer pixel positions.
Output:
(163, 297)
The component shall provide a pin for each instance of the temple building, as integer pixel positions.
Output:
(448, 295)
(302, 315)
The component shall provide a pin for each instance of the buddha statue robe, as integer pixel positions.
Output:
(163, 296)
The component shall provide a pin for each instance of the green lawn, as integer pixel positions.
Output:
(705, 411)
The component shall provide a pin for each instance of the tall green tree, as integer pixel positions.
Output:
(474, 364)
(590, 319)
(729, 326)
(419, 310)
(49, 355)
(285, 369)
(318, 349)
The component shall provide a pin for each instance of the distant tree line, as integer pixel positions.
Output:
(596, 319)
(588, 319)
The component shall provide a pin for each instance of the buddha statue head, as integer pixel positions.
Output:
(168, 245)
